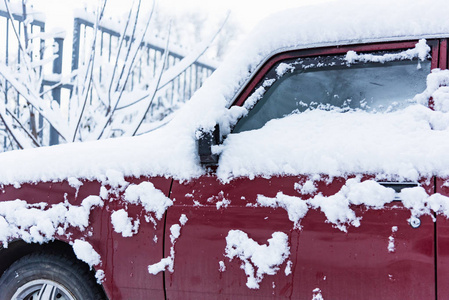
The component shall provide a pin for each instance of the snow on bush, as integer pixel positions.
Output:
(152, 199)
(124, 224)
(258, 260)
(167, 263)
(85, 252)
(38, 223)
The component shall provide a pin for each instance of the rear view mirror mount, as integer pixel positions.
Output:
(206, 140)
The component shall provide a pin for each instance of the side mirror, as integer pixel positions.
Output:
(205, 142)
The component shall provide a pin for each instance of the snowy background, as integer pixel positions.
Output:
(106, 88)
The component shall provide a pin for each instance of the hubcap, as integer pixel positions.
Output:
(42, 289)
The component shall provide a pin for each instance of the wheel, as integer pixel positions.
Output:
(48, 277)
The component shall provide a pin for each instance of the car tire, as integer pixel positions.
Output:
(49, 276)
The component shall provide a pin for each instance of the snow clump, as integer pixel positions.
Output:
(391, 246)
(123, 224)
(372, 194)
(38, 223)
(223, 203)
(152, 199)
(258, 260)
(288, 268)
(85, 252)
(221, 266)
(115, 178)
(317, 294)
(421, 50)
(167, 263)
(99, 276)
(295, 207)
(307, 188)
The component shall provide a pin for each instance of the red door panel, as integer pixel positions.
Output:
(125, 260)
(132, 255)
(343, 265)
(202, 243)
(358, 265)
(442, 236)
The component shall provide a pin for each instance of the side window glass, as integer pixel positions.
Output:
(331, 83)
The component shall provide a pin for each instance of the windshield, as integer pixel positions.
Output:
(331, 83)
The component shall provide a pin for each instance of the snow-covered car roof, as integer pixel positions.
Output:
(171, 150)
(332, 23)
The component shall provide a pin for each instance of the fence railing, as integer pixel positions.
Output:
(178, 90)
(11, 52)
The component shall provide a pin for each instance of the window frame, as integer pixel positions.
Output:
(438, 57)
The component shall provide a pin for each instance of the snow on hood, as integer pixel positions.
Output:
(162, 152)
(171, 151)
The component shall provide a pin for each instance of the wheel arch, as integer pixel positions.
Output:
(18, 248)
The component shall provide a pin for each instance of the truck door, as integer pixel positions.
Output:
(256, 227)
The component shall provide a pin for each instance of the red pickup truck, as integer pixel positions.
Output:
(312, 165)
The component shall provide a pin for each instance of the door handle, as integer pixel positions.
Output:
(398, 186)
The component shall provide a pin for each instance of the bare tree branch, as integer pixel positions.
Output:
(19, 41)
(90, 66)
(10, 131)
(35, 101)
(120, 47)
(153, 88)
(131, 65)
(174, 71)
(130, 46)
(29, 134)
(97, 108)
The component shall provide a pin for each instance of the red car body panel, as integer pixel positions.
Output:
(442, 244)
(124, 259)
(352, 265)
